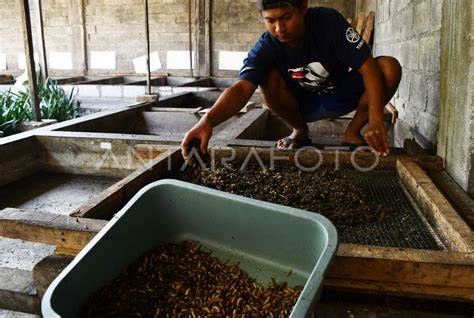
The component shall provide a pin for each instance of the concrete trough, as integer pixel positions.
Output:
(169, 126)
(212, 82)
(330, 132)
(125, 87)
(168, 119)
(160, 81)
(60, 175)
(135, 80)
(69, 80)
(115, 80)
(7, 80)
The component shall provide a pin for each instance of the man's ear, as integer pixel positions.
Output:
(304, 7)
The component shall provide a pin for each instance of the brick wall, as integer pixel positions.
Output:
(118, 27)
(11, 42)
(411, 32)
(237, 25)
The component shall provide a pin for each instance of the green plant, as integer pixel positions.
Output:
(14, 109)
(55, 103)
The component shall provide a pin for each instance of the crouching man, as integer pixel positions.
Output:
(310, 65)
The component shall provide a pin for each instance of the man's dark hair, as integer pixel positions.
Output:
(272, 4)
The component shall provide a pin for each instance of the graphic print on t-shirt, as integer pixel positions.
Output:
(314, 77)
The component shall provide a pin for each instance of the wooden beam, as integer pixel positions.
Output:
(176, 110)
(40, 40)
(254, 118)
(69, 234)
(30, 62)
(411, 147)
(310, 157)
(410, 266)
(147, 45)
(111, 200)
(393, 111)
(368, 27)
(456, 195)
(399, 289)
(203, 38)
(436, 208)
(443, 274)
(360, 22)
(47, 270)
(190, 37)
(149, 151)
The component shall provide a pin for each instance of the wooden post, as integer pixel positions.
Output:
(190, 33)
(147, 37)
(30, 62)
(203, 39)
(40, 39)
(369, 27)
(84, 36)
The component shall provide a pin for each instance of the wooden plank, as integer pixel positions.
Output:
(407, 266)
(311, 157)
(147, 45)
(40, 40)
(176, 109)
(30, 62)
(115, 197)
(19, 159)
(439, 211)
(404, 290)
(368, 27)
(393, 111)
(360, 22)
(252, 143)
(47, 270)
(69, 234)
(241, 125)
(460, 200)
(203, 38)
(151, 151)
(411, 147)
(444, 274)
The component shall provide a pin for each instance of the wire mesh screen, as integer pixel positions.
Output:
(405, 227)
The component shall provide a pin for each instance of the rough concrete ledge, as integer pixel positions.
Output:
(15, 314)
(17, 287)
(30, 125)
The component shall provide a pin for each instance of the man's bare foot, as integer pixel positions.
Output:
(355, 139)
(295, 140)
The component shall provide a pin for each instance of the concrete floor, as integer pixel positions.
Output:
(52, 193)
(90, 105)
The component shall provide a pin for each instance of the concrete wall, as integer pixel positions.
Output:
(11, 42)
(237, 25)
(411, 32)
(433, 41)
(104, 36)
(456, 131)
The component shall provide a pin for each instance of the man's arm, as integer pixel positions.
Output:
(227, 105)
(376, 135)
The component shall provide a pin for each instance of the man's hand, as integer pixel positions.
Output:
(376, 137)
(201, 131)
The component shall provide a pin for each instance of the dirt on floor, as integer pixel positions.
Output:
(326, 191)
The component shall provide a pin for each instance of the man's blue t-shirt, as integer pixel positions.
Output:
(331, 46)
